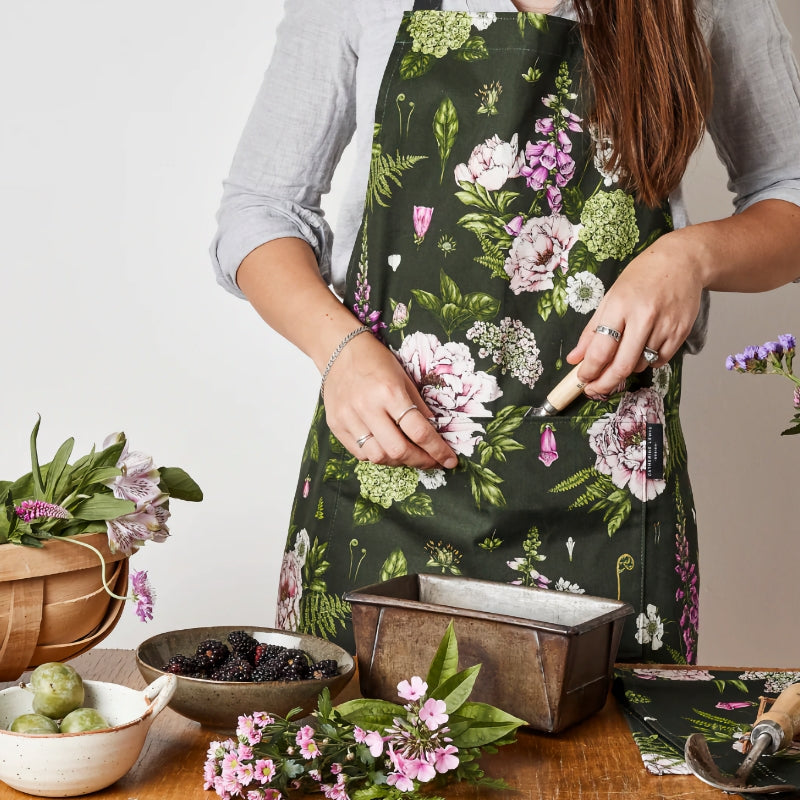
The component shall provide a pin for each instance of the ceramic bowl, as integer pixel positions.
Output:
(70, 764)
(219, 704)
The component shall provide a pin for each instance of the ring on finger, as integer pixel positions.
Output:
(650, 355)
(606, 331)
(404, 412)
(362, 440)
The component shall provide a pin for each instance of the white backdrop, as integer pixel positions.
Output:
(119, 123)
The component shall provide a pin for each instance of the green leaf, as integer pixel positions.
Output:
(418, 504)
(445, 662)
(445, 130)
(482, 306)
(415, 64)
(179, 485)
(474, 49)
(572, 201)
(544, 306)
(102, 475)
(449, 290)
(36, 471)
(103, 506)
(487, 725)
(559, 299)
(430, 302)
(56, 469)
(370, 714)
(335, 470)
(394, 566)
(504, 200)
(365, 512)
(456, 689)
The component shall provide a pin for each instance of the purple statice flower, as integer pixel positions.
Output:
(142, 594)
(30, 510)
(687, 595)
(787, 341)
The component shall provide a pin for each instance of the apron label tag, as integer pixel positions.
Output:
(654, 450)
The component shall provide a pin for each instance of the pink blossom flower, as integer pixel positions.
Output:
(422, 220)
(209, 774)
(400, 781)
(306, 486)
(374, 741)
(491, 163)
(336, 769)
(248, 729)
(272, 794)
(264, 770)
(619, 440)
(733, 705)
(400, 315)
(515, 226)
(30, 510)
(412, 690)
(433, 713)
(453, 390)
(445, 758)
(290, 584)
(548, 452)
(262, 719)
(541, 248)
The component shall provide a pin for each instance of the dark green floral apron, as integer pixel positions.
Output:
(491, 231)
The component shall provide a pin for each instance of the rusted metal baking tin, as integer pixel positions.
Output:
(546, 656)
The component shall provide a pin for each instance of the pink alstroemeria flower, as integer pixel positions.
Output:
(422, 220)
(139, 479)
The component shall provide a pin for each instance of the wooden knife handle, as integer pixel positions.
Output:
(785, 713)
(566, 390)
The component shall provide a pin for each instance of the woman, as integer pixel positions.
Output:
(518, 210)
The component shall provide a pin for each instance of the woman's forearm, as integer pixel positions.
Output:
(282, 282)
(754, 251)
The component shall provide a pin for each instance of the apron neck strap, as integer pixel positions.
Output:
(427, 5)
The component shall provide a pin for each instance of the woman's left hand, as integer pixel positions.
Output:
(653, 305)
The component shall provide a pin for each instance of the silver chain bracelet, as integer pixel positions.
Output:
(335, 354)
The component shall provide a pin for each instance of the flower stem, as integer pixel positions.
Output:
(102, 563)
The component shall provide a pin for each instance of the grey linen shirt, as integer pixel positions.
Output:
(321, 87)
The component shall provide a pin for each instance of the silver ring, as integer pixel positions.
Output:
(364, 439)
(615, 335)
(650, 355)
(404, 412)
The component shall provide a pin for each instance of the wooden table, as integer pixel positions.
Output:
(593, 760)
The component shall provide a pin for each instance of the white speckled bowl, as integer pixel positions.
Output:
(70, 764)
(219, 704)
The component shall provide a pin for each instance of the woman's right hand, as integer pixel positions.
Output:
(366, 392)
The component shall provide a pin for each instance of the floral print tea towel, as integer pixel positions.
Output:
(664, 706)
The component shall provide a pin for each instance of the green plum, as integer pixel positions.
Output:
(57, 689)
(83, 719)
(34, 723)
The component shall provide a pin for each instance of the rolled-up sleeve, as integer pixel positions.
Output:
(755, 121)
(302, 119)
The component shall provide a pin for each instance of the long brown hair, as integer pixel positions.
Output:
(650, 76)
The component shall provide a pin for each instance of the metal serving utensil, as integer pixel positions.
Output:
(773, 731)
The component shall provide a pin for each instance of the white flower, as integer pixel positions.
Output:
(584, 292)
(650, 628)
(483, 19)
(661, 379)
(432, 478)
(394, 261)
(570, 547)
(563, 585)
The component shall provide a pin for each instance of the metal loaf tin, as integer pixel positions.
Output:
(547, 656)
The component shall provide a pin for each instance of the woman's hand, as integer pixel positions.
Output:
(376, 412)
(653, 304)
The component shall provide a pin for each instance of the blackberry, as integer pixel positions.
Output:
(211, 653)
(294, 656)
(326, 668)
(267, 671)
(295, 671)
(267, 652)
(244, 645)
(235, 668)
(180, 665)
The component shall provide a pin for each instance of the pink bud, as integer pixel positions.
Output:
(547, 446)
(422, 221)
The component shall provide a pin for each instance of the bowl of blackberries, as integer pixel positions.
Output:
(225, 672)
